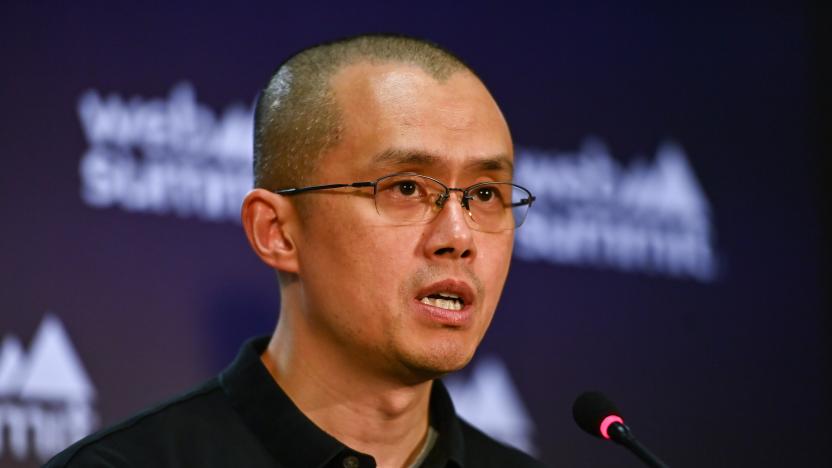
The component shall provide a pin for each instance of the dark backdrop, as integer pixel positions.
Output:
(675, 259)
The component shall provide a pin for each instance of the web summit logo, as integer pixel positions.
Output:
(45, 397)
(177, 156)
(165, 156)
(650, 217)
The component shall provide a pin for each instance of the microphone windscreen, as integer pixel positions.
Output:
(590, 410)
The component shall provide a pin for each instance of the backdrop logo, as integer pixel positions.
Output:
(489, 400)
(46, 397)
(649, 216)
(171, 155)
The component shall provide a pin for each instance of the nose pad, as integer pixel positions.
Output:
(464, 202)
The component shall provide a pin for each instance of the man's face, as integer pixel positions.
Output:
(364, 277)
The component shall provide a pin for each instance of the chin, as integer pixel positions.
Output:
(438, 360)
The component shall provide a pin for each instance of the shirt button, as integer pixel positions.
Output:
(350, 461)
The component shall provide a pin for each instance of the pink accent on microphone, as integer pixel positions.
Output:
(607, 422)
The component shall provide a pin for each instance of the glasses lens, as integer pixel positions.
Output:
(498, 206)
(407, 198)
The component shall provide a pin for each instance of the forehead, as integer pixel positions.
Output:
(394, 114)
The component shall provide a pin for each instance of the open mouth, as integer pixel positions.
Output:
(444, 300)
(450, 294)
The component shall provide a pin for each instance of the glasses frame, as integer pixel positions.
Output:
(440, 202)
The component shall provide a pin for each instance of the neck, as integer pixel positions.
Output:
(362, 409)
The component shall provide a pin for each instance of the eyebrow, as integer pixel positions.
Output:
(405, 157)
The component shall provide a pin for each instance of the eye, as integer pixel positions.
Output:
(407, 187)
(484, 194)
(404, 189)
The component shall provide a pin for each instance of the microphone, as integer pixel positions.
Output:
(598, 416)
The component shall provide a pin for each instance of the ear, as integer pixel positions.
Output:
(270, 222)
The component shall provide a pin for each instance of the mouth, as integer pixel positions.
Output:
(449, 295)
(444, 300)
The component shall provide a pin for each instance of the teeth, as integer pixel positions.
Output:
(449, 304)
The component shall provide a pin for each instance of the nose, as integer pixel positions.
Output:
(449, 235)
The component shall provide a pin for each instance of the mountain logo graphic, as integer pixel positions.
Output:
(489, 400)
(46, 396)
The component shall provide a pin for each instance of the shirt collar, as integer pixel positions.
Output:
(293, 439)
(443, 417)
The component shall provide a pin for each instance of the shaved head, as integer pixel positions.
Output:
(297, 117)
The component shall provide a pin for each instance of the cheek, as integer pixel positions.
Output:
(354, 262)
(389, 257)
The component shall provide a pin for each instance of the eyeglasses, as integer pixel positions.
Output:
(411, 198)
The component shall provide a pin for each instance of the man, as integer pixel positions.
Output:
(389, 272)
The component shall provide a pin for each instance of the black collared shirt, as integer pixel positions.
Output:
(242, 418)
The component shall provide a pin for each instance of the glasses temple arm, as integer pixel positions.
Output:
(294, 191)
(525, 201)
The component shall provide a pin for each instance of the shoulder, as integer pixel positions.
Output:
(483, 451)
(150, 433)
